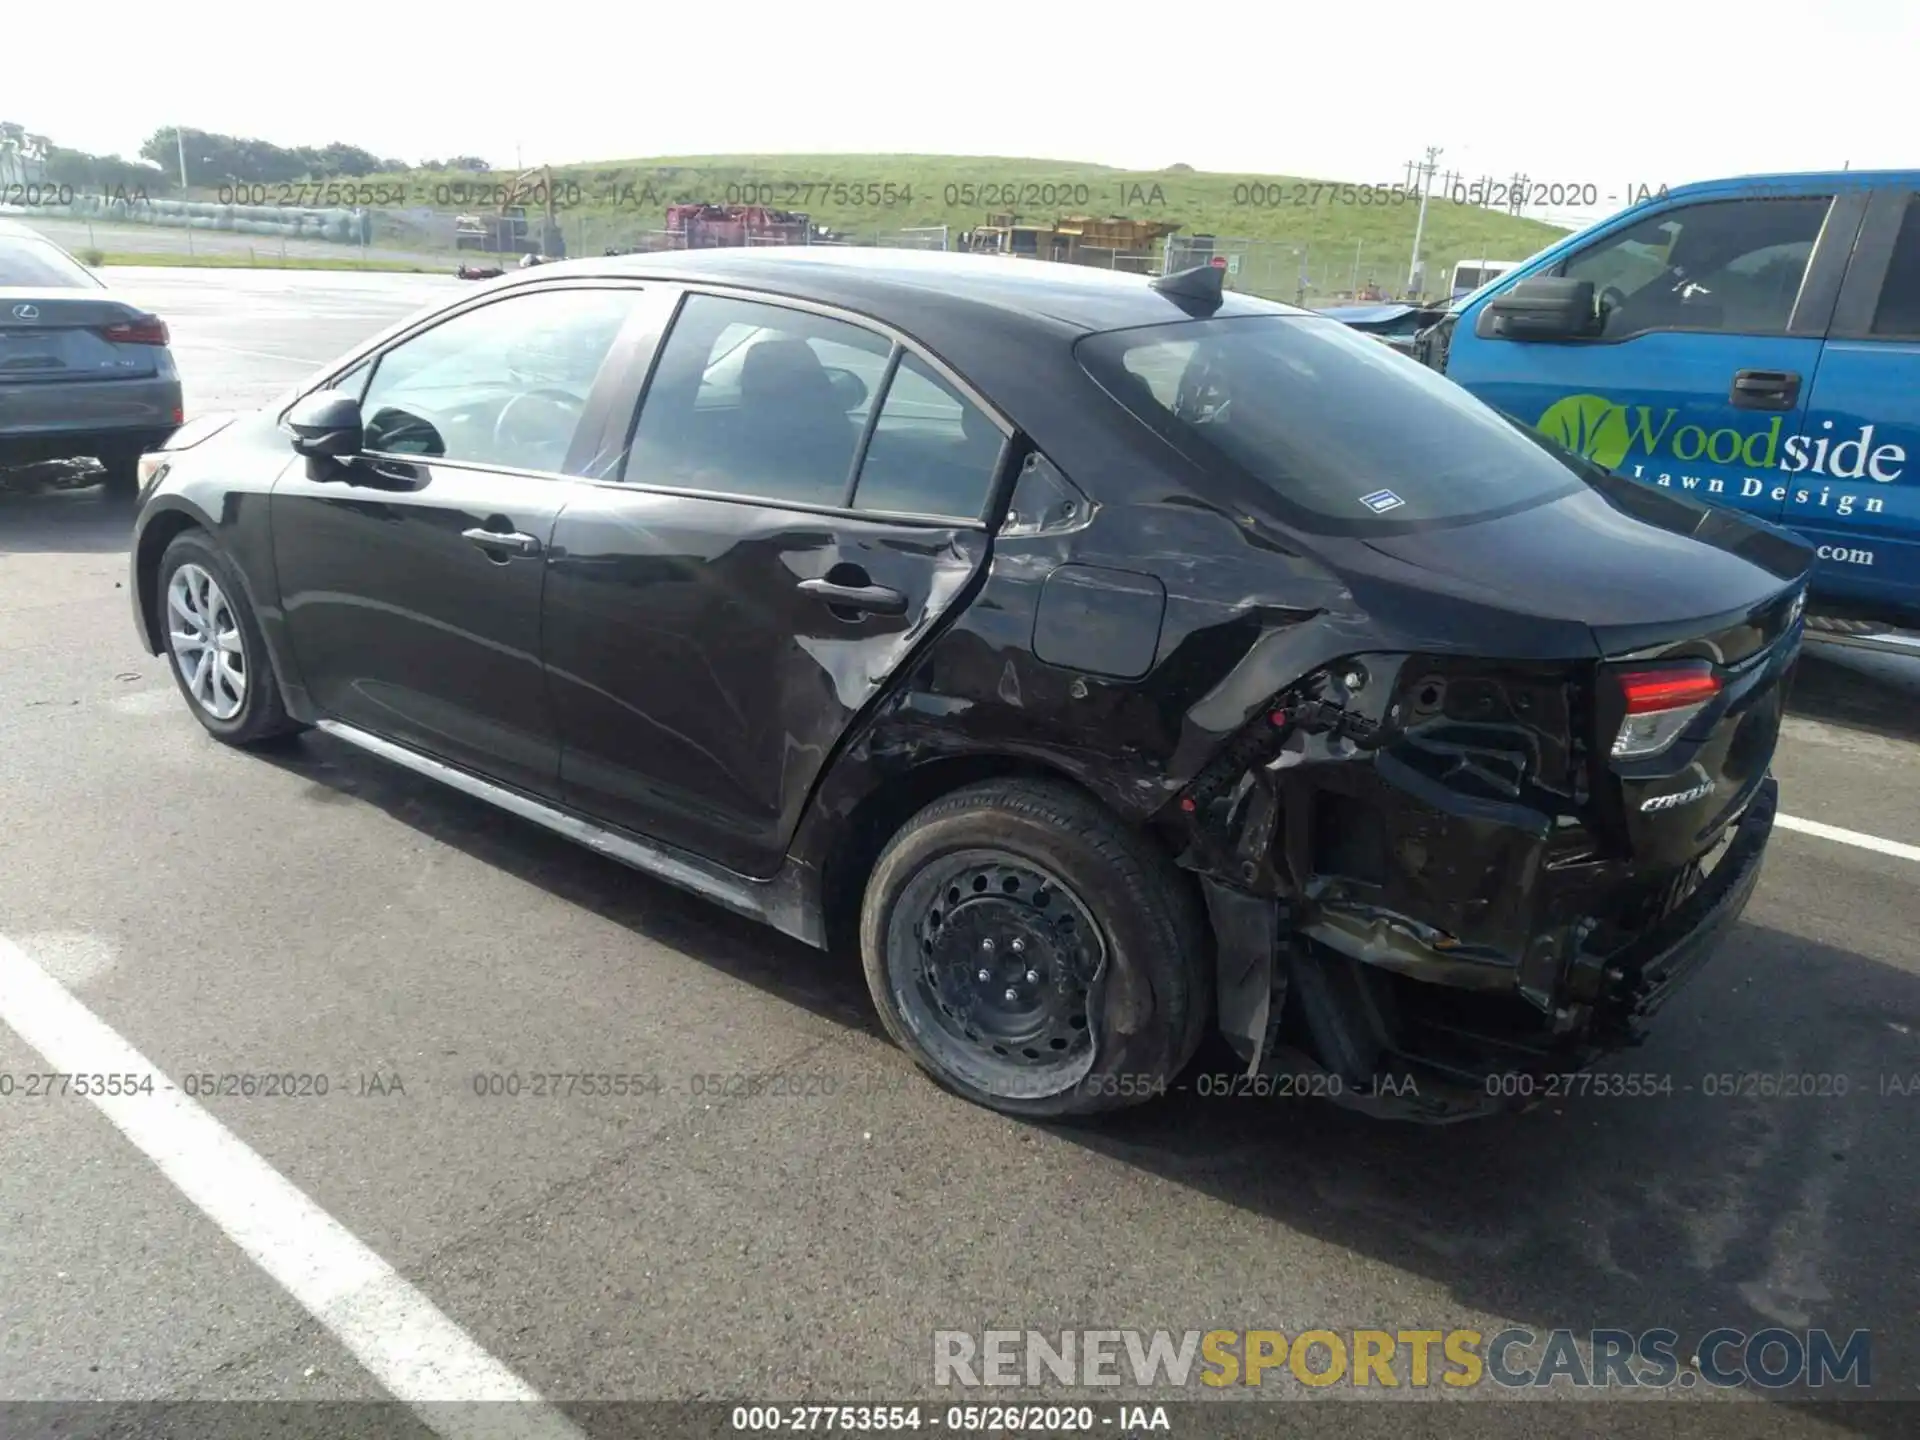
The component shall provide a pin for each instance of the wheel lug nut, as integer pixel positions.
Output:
(985, 976)
(987, 945)
(1012, 995)
(1018, 946)
(1033, 977)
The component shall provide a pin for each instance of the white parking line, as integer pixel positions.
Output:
(1849, 837)
(414, 1350)
(180, 344)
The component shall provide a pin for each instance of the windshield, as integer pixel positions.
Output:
(1353, 438)
(30, 263)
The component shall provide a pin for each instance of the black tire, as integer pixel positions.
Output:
(262, 715)
(122, 464)
(1139, 1019)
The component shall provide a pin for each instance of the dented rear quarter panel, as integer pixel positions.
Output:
(1139, 649)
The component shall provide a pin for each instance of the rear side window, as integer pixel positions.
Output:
(759, 401)
(1898, 312)
(1351, 437)
(29, 262)
(933, 452)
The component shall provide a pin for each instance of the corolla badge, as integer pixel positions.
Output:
(26, 312)
(1679, 797)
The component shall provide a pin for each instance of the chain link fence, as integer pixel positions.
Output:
(622, 235)
(1299, 273)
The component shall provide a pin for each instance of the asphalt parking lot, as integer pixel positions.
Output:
(318, 914)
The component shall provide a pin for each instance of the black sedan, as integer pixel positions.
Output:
(1107, 659)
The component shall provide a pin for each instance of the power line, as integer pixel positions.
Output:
(1425, 170)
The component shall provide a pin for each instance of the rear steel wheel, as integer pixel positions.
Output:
(1033, 953)
(993, 959)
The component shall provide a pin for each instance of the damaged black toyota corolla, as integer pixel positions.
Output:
(1113, 659)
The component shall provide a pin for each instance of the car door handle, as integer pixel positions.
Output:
(1765, 389)
(502, 540)
(868, 599)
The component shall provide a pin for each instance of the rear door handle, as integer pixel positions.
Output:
(867, 599)
(1765, 390)
(511, 540)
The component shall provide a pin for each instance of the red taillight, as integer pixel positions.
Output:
(147, 330)
(1659, 705)
(1651, 690)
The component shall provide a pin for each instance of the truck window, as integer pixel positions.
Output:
(1898, 312)
(1726, 266)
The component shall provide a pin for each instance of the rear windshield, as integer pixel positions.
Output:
(1351, 437)
(34, 264)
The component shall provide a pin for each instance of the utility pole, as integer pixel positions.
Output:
(1426, 170)
(180, 144)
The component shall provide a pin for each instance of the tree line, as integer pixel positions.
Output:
(210, 160)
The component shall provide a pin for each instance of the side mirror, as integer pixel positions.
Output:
(327, 423)
(1542, 309)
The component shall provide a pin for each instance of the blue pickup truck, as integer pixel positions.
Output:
(1751, 342)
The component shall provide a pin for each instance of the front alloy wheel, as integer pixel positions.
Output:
(219, 656)
(204, 635)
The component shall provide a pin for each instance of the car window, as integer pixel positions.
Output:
(1732, 266)
(354, 382)
(30, 263)
(1898, 312)
(1348, 436)
(505, 384)
(758, 400)
(933, 451)
(720, 382)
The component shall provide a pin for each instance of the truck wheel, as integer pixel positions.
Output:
(214, 647)
(1033, 954)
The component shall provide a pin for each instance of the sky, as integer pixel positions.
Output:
(1618, 95)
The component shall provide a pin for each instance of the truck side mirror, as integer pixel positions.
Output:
(1541, 309)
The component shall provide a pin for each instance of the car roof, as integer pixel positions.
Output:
(1006, 325)
(926, 293)
(1802, 180)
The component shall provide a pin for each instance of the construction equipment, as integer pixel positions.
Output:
(704, 227)
(510, 231)
(1113, 243)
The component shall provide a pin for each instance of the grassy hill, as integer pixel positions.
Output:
(1336, 227)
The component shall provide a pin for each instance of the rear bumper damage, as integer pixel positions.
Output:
(1426, 913)
(1291, 1004)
